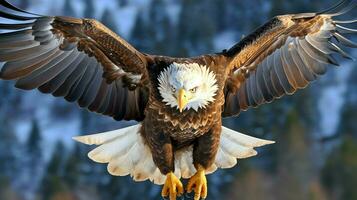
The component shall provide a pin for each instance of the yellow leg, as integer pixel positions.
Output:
(172, 187)
(198, 183)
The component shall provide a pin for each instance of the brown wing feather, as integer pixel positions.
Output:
(282, 56)
(78, 59)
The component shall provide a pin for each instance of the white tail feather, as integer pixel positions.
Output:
(126, 153)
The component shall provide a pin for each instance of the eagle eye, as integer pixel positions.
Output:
(193, 90)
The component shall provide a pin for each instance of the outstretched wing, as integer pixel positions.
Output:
(78, 59)
(284, 55)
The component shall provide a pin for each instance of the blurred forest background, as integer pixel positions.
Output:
(315, 157)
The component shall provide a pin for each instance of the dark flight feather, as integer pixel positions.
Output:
(55, 55)
(286, 54)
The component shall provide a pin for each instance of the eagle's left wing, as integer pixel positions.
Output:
(284, 55)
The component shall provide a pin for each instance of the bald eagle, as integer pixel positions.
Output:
(178, 102)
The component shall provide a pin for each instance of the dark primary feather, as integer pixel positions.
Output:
(12, 7)
(338, 7)
(285, 55)
(80, 60)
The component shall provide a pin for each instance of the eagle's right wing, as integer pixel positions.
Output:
(78, 59)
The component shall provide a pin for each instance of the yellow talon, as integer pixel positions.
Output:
(172, 187)
(198, 182)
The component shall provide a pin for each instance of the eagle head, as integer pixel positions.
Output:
(187, 85)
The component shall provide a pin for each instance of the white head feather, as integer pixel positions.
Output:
(195, 79)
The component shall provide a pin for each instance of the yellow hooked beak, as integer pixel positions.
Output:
(182, 99)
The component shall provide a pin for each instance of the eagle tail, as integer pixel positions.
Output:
(127, 154)
(235, 145)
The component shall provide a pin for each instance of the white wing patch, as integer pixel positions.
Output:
(126, 153)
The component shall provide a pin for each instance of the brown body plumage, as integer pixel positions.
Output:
(165, 125)
(83, 61)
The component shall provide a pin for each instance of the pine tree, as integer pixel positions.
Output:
(81, 174)
(33, 144)
(123, 3)
(165, 37)
(68, 9)
(89, 10)
(347, 124)
(280, 7)
(339, 174)
(216, 8)
(32, 163)
(52, 183)
(9, 147)
(138, 35)
(9, 101)
(197, 36)
(157, 14)
(277, 7)
(163, 33)
(294, 172)
(108, 20)
(72, 169)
